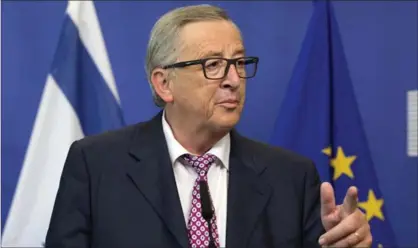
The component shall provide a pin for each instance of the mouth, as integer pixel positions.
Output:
(229, 103)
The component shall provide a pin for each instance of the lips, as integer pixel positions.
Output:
(230, 103)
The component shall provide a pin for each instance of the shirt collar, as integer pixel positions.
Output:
(221, 149)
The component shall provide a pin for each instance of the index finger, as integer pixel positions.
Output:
(350, 203)
(327, 199)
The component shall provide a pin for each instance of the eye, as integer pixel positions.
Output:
(213, 64)
(242, 63)
(245, 62)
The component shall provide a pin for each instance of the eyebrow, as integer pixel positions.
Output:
(212, 53)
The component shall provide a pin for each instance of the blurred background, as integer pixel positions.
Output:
(379, 39)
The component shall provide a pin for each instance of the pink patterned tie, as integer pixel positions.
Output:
(198, 227)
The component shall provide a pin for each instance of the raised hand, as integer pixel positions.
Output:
(345, 224)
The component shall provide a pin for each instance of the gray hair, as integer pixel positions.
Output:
(163, 47)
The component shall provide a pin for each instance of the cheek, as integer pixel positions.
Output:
(243, 95)
(204, 92)
(195, 92)
(204, 100)
(211, 95)
(183, 88)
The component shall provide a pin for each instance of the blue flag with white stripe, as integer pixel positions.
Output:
(320, 119)
(80, 98)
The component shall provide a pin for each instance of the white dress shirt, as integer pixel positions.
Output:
(186, 176)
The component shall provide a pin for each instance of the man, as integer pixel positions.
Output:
(146, 185)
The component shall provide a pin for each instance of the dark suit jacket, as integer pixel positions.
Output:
(118, 190)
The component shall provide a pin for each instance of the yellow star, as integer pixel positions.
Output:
(372, 206)
(379, 246)
(327, 151)
(342, 164)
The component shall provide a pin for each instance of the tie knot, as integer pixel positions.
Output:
(200, 163)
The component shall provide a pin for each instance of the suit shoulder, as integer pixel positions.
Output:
(266, 152)
(113, 138)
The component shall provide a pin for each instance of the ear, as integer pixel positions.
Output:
(159, 79)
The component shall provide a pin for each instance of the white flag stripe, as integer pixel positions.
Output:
(83, 14)
(412, 123)
(56, 127)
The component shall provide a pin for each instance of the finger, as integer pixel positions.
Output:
(354, 239)
(344, 228)
(327, 199)
(367, 242)
(350, 201)
(331, 220)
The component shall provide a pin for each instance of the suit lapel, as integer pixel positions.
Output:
(152, 173)
(247, 193)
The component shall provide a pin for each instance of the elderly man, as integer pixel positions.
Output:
(186, 178)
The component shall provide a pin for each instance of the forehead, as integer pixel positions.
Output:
(210, 38)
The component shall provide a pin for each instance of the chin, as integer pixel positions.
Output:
(227, 120)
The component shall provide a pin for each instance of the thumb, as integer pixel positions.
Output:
(327, 199)
(350, 202)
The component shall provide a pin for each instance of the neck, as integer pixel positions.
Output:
(194, 138)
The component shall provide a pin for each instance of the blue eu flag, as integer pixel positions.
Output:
(320, 119)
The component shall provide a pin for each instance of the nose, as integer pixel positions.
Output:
(232, 79)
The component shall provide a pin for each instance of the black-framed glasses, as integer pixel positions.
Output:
(217, 68)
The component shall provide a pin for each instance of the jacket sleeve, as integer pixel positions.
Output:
(70, 224)
(312, 223)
